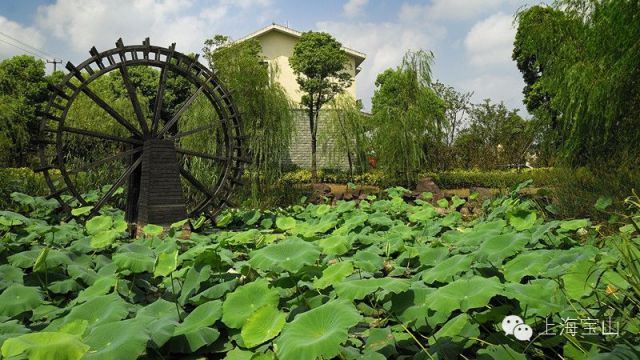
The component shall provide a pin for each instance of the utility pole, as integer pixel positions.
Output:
(54, 62)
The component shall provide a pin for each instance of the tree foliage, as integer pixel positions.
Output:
(407, 115)
(456, 108)
(262, 103)
(346, 133)
(457, 105)
(319, 64)
(496, 137)
(23, 90)
(581, 61)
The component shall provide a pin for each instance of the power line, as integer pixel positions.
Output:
(54, 62)
(23, 49)
(27, 45)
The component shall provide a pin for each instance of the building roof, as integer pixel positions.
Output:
(359, 56)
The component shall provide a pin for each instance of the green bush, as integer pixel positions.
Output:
(492, 179)
(446, 180)
(575, 191)
(303, 176)
(26, 181)
(22, 180)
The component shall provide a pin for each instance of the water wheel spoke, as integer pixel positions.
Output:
(100, 135)
(201, 155)
(111, 111)
(105, 160)
(194, 131)
(180, 111)
(133, 97)
(201, 206)
(195, 182)
(159, 98)
(115, 186)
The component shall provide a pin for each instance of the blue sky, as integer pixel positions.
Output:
(471, 39)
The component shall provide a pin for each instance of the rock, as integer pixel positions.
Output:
(410, 196)
(477, 211)
(435, 198)
(466, 214)
(319, 192)
(427, 185)
(321, 188)
(443, 211)
(483, 193)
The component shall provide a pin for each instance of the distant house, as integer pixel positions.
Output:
(277, 43)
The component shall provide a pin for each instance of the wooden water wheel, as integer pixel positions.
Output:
(153, 166)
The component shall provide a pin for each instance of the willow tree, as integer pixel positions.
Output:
(407, 116)
(263, 104)
(346, 132)
(581, 60)
(319, 64)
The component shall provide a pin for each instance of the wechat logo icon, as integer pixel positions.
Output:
(513, 325)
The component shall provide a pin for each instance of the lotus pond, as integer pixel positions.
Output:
(382, 278)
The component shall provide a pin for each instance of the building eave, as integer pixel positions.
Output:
(357, 55)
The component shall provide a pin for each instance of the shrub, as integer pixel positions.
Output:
(577, 190)
(26, 181)
(492, 179)
(303, 176)
(22, 180)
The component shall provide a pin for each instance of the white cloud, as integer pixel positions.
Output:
(245, 4)
(503, 86)
(383, 43)
(490, 41)
(448, 9)
(85, 23)
(27, 35)
(354, 7)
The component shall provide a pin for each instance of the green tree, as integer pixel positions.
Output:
(541, 30)
(319, 64)
(23, 90)
(345, 132)
(407, 116)
(262, 103)
(582, 60)
(457, 106)
(496, 137)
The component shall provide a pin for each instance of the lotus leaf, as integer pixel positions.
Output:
(318, 332)
(290, 255)
(245, 300)
(264, 324)
(358, 289)
(201, 317)
(126, 339)
(333, 274)
(45, 346)
(18, 298)
(465, 294)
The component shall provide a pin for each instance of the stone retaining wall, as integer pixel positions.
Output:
(328, 156)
